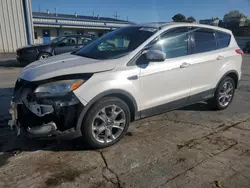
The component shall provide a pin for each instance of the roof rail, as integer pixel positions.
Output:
(165, 24)
(159, 25)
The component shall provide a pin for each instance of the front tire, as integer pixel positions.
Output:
(106, 122)
(223, 95)
(43, 55)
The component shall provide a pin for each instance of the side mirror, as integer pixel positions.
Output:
(155, 55)
(62, 44)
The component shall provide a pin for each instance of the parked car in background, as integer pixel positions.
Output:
(131, 73)
(59, 45)
(246, 49)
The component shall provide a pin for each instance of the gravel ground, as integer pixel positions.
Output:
(190, 147)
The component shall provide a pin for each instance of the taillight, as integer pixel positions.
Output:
(239, 51)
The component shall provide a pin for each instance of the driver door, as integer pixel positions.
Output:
(68, 44)
(166, 85)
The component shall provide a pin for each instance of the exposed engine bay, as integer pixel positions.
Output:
(44, 114)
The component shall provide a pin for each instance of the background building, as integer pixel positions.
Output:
(19, 27)
(213, 21)
(50, 25)
(16, 28)
(237, 20)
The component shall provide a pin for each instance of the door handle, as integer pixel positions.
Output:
(184, 65)
(220, 57)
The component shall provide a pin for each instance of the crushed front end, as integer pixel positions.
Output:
(46, 109)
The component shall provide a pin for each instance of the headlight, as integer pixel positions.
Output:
(59, 87)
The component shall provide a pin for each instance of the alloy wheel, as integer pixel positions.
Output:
(226, 94)
(44, 56)
(108, 124)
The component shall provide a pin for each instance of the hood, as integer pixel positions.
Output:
(65, 64)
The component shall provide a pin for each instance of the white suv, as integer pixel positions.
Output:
(128, 74)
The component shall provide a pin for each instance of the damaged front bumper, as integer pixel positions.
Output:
(47, 129)
(13, 123)
(45, 117)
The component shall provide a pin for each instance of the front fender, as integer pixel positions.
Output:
(109, 81)
(88, 104)
(95, 92)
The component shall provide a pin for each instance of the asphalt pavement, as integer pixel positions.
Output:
(191, 147)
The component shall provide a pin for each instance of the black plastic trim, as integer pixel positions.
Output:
(229, 72)
(203, 96)
(177, 104)
(164, 108)
(109, 92)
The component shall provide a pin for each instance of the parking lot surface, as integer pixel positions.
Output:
(190, 147)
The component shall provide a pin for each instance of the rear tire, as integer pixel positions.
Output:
(223, 95)
(43, 55)
(106, 122)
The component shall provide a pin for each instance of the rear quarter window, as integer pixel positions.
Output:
(224, 39)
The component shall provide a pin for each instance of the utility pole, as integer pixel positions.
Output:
(39, 10)
(93, 14)
(116, 15)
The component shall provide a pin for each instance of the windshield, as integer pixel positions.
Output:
(117, 43)
(57, 40)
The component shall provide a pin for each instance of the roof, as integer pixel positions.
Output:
(166, 24)
(156, 24)
(78, 17)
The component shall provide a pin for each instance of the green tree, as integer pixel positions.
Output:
(179, 18)
(232, 19)
(233, 14)
(221, 24)
(191, 19)
(247, 23)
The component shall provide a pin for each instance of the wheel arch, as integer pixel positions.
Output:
(123, 95)
(232, 74)
(43, 52)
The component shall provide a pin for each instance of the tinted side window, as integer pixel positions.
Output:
(69, 41)
(84, 40)
(204, 40)
(224, 39)
(174, 43)
(117, 43)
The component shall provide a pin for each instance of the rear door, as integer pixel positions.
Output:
(68, 44)
(207, 60)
